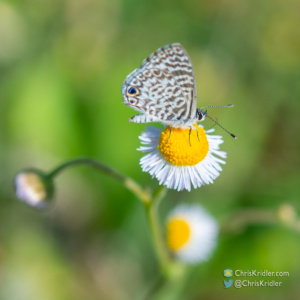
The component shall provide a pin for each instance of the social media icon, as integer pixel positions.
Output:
(227, 273)
(228, 284)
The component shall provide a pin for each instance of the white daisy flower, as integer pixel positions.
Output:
(179, 158)
(34, 188)
(191, 233)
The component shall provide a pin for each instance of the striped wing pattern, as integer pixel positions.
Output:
(166, 85)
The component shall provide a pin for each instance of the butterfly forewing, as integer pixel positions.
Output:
(166, 86)
(175, 59)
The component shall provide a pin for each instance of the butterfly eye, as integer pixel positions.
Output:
(133, 91)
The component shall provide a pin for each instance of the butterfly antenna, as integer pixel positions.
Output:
(222, 127)
(228, 105)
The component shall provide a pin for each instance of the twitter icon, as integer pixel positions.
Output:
(228, 284)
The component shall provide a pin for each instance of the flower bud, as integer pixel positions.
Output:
(287, 213)
(35, 188)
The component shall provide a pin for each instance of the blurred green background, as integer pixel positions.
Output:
(62, 64)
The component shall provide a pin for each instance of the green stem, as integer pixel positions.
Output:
(151, 204)
(128, 182)
(156, 232)
(240, 220)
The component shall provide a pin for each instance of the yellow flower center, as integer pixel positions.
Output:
(183, 147)
(178, 233)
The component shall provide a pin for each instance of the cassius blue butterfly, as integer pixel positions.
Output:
(163, 89)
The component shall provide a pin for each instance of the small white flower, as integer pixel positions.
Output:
(179, 158)
(34, 188)
(191, 233)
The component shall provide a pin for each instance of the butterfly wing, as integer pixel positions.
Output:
(165, 86)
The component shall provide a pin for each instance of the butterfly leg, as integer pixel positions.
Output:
(197, 134)
(190, 136)
(169, 135)
(193, 127)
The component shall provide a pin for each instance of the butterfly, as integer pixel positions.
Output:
(163, 89)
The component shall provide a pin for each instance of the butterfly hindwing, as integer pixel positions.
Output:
(166, 86)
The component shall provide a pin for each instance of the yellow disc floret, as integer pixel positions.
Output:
(183, 147)
(178, 233)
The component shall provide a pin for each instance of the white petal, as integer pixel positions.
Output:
(203, 233)
(180, 177)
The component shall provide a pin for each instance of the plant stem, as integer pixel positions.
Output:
(129, 183)
(240, 220)
(156, 232)
(151, 203)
